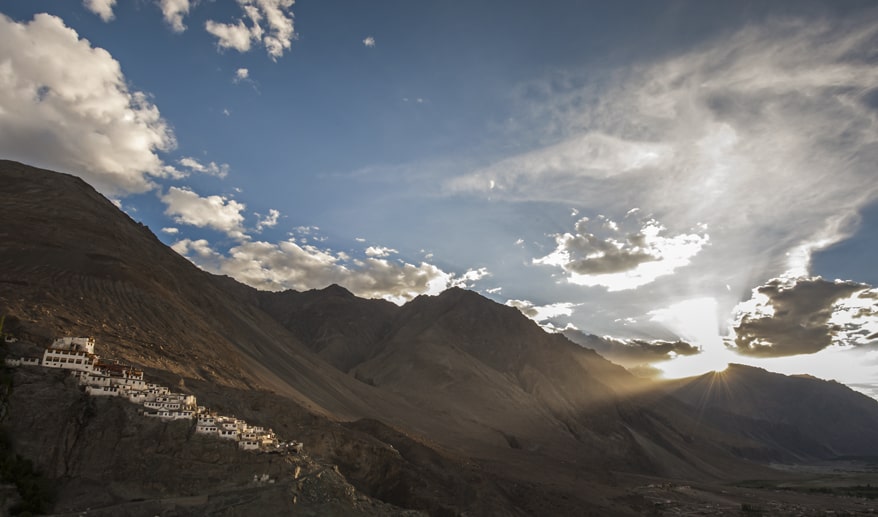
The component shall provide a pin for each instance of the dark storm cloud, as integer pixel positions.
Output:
(634, 352)
(797, 317)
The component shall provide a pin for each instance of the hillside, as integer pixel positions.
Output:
(451, 404)
(800, 416)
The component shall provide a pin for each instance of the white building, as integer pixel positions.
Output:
(71, 353)
(75, 344)
(22, 361)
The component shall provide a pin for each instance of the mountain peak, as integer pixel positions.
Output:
(336, 290)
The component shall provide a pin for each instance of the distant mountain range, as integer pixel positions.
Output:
(486, 412)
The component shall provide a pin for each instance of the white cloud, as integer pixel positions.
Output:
(620, 262)
(65, 105)
(469, 278)
(212, 169)
(379, 251)
(270, 21)
(767, 135)
(171, 230)
(241, 74)
(200, 248)
(369, 41)
(102, 8)
(217, 212)
(269, 221)
(234, 36)
(174, 11)
(789, 316)
(289, 265)
(542, 313)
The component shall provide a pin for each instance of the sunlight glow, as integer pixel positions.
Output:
(694, 320)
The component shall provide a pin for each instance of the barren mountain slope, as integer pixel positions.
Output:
(469, 392)
(798, 416)
(340, 327)
(71, 263)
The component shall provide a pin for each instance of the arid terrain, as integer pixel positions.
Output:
(448, 405)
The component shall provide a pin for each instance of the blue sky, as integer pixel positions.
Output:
(647, 172)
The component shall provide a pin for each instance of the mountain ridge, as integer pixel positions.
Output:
(499, 402)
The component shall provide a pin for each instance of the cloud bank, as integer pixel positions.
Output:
(633, 353)
(290, 265)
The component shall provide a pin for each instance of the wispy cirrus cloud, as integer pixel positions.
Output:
(211, 168)
(767, 135)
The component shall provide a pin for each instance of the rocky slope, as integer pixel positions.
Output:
(106, 458)
(450, 404)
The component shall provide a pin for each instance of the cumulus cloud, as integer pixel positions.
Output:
(369, 41)
(212, 168)
(618, 261)
(290, 265)
(241, 74)
(66, 105)
(174, 11)
(170, 230)
(632, 352)
(102, 8)
(235, 36)
(788, 317)
(267, 21)
(269, 221)
(767, 135)
(217, 212)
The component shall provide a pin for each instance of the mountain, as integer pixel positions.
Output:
(450, 404)
(801, 417)
(340, 327)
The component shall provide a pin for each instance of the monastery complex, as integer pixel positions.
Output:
(103, 379)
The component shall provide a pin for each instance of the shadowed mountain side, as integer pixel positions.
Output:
(800, 417)
(463, 384)
(72, 263)
(340, 327)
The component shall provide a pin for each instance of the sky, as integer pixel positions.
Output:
(677, 184)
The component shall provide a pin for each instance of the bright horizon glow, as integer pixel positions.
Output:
(694, 320)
